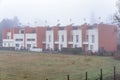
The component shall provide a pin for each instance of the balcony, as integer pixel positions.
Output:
(44, 42)
(56, 42)
(8, 40)
(70, 42)
(85, 42)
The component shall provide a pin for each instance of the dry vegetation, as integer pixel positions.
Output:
(38, 66)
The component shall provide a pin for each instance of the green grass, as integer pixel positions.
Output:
(28, 66)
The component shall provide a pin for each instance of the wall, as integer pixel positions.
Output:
(31, 42)
(40, 31)
(21, 43)
(62, 43)
(8, 43)
(75, 33)
(93, 45)
(107, 37)
(49, 40)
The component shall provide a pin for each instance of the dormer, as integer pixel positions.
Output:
(21, 31)
(8, 35)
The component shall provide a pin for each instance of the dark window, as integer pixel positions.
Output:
(33, 31)
(91, 47)
(18, 39)
(8, 44)
(93, 38)
(77, 36)
(61, 46)
(75, 46)
(58, 38)
(17, 45)
(8, 37)
(87, 38)
(28, 45)
(72, 38)
(22, 31)
(4, 44)
(48, 46)
(30, 39)
(62, 38)
(49, 38)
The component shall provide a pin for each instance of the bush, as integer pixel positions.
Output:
(71, 50)
(117, 56)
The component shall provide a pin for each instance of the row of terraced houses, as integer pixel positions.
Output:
(88, 37)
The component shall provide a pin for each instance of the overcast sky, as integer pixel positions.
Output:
(37, 11)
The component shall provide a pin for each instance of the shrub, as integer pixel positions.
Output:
(117, 56)
(71, 50)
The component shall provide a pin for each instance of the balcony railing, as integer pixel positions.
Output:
(44, 41)
(70, 42)
(56, 42)
(85, 42)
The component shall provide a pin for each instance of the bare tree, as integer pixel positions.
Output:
(117, 14)
(8, 23)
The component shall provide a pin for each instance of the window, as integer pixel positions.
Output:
(8, 44)
(93, 38)
(91, 47)
(61, 45)
(8, 37)
(33, 31)
(58, 38)
(18, 39)
(34, 45)
(72, 38)
(49, 38)
(21, 31)
(28, 45)
(48, 46)
(30, 39)
(77, 36)
(17, 45)
(86, 47)
(62, 38)
(75, 46)
(4, 44)
(87, 37)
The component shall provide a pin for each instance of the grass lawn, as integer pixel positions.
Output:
(38, 66)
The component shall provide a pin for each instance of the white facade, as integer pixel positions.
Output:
(49, 40)
(92, 40)
(31, 40)
(8, 42)
(19, 41)
(76, 39)
(62, 39)
(8, 35)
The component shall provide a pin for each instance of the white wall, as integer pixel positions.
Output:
(8, 43)
(21, 43)
(49, 43)
(60, 42)
(31, 36)
(93, 46)
(9, 34)
(74, 34)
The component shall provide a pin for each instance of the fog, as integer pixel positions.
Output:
(37, 12)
